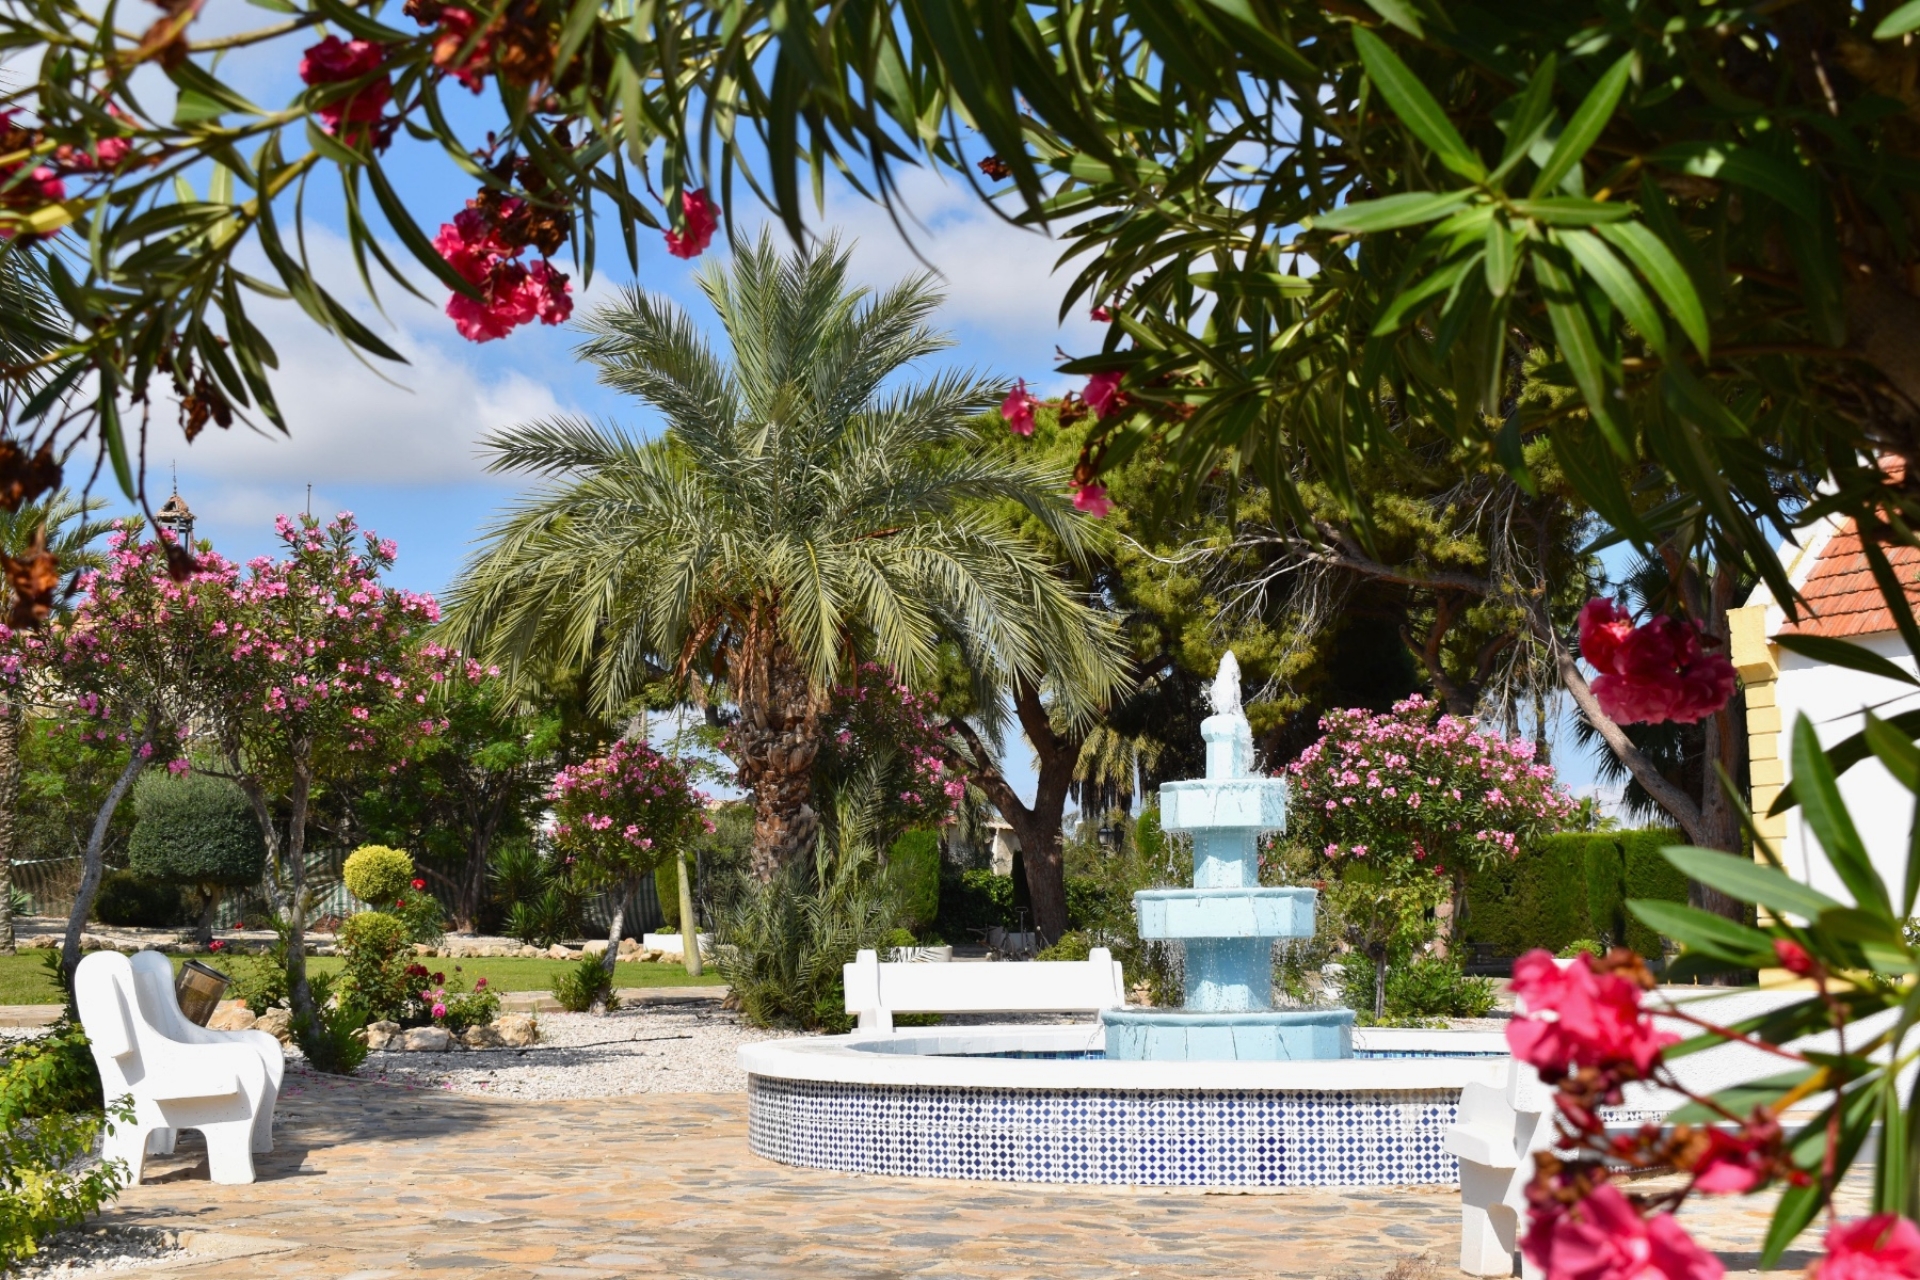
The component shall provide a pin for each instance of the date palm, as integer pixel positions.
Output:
(800, 513)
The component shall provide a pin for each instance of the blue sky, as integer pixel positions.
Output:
(396, 444)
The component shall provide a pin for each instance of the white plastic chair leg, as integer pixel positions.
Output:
(1488, 1227)
(230, 1151)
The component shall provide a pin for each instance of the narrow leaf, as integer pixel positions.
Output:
(1749, 881)
(1416, 107)
(1586, 126)
(1832, 825)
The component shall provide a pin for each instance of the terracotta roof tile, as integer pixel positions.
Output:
(1842, 597)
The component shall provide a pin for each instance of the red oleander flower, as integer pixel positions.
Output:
(702, 216)
(336, 61)
(1577, 1017)
(1018, 409)
(1103, 392)
(1793, 957)
(511, 293)
(1652, 673)
(1736, 1163)
(1092, 499)
(419, 884)
(1101, 314)
(1602, 1237)
(456, 26)
(1883, 1247)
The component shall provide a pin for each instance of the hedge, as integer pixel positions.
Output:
(128, 900)
(1570, 887)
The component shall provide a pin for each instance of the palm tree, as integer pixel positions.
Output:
(795, 517)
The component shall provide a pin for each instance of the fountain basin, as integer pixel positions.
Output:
(1044, 1104)
(1225, 913)
(1172, 1036)
(1245, 804)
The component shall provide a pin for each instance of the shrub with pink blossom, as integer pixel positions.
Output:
(879, 726)
(619, 816)
(1418, 794)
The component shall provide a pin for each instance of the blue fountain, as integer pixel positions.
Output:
(1227, 922)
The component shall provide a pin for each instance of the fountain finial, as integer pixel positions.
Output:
(1226, 686)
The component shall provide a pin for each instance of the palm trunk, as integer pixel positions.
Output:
(90, 864)
(627, 889)
(689, 926)
(10, 725)
(779, 739)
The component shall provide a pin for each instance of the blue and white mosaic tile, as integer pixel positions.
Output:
(1224, 1138)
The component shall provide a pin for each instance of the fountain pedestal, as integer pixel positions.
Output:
(1227, 922)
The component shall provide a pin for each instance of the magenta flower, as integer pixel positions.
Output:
(701, 217)
(1103, 392)
(1018, 409)
(1092, 499)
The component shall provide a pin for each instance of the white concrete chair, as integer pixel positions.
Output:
(217, 1088)
(153, 982)
(877, 991)
(1495, 1135)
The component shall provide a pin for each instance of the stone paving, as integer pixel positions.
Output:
(375, 1180)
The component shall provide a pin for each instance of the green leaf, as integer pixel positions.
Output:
(1782, 181)
(1896, 24)
(1502, 257)
(1572, 211)
(1749, 881)
(1405, 210)
(1586, 126)
(1703, 931)
(1742, 1098)
(1580, 349)
(1618, 283)
(1415, 106)
(1842, 653)
(1826, 813)
(1401, 15)
(1845, 754)
(1651, 257)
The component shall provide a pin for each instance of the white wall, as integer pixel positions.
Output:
(1882, 809)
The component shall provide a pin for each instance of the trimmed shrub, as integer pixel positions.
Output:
(134, 901)
(377, 953)
(666, 888)
(913, 872)
(195, 829)
(377, 875)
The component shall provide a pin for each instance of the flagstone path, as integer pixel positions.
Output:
(375, 1180)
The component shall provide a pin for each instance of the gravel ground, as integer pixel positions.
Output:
(91, 1251)
(673, 1048)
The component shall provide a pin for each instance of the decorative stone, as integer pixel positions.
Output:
(277, 1023)
(558, 952)
(516, 1030)
(380, 1035)
(422, 949)
(231, 1016)
(529, 952)
(595, 947)
(426, 1040)
(484, 1037)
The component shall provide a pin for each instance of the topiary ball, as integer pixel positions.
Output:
(195, 829)
(377, 875)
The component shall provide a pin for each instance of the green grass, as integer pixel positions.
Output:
(23, 981)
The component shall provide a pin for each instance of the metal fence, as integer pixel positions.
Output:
(49, 883)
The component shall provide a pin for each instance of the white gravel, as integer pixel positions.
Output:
(92, 1251)
(672, 1048)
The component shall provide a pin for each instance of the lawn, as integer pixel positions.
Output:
(24, 981)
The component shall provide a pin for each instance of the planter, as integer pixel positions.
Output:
(672, 944)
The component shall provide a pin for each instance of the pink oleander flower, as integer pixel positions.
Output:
(1103, 392)
(335, 61)
(1579, 1018)
(1092, 499)
(1604, 1238)
(439, 1011)
(1101, 314)
(1743, 1161)
(1655, 672)
(1018, 409)
(1883, 1247)
(702, 216)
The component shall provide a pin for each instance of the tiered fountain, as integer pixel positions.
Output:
(1227, 923)
(1226, 1091)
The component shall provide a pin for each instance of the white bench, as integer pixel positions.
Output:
(877, 991)
(178, 1075)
